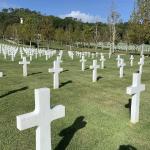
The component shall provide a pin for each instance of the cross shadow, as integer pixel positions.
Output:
(64, 83)
(99, 77)
(14, 91)
(69, 132)
(65, 71)
(34, 73)
(126, 147)
(87, 68)
(128, 105)
(137, 71)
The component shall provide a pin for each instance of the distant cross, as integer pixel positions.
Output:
(1, 74)
(59, 59)
(83, 60)
(101, 55)
(21, 54)
(135, 90)
(5, 55)
(41, 118)
(56, 70)
(72, 54)
(102, 62)
(12, 56)
(122, 65)
(24, 63)
(46, 56)
(110, 52)
(118, 60)
(142, 51)
(36, 54)
(93, 55)
(141, 63)
(31, 55)
(131, 60)
(94, 67)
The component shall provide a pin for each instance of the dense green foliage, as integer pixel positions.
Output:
(139, 26)
(38, 27)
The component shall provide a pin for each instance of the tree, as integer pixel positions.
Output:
(139, 25)
(113, 19)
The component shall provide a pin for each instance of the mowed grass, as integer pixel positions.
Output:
(97, 114)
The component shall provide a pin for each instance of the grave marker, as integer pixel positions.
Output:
(41, 118)
(135, 90)
(94, 67)
(24, 63)
(56, 70)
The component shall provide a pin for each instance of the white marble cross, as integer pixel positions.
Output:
(135, 91)
(1, 74)
(94, 67)
(122, 65)
(41, 118)
(142, 51)
(12, 56)
(56, 70)
(118, 60)
(102, 61)
(93, 55)
(141, 63)
(24, 63)
(131, 60)
(83, 60)
(31, 56)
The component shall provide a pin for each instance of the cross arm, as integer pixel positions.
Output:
(50, 70)
(57, 112)
(91, 67)
(61, 69)
(132, 90)
(20, 62)
(27, 120)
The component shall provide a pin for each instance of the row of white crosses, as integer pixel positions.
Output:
(41, 118)
(56, 70)
(121, 64)
(94, 67)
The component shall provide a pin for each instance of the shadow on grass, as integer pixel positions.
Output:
(14, 91)
(87, 68)
(65, 83)
(126, 147)
(69, 132)
(128, 106)
(99, 77)
(34, 73)
(64, 71)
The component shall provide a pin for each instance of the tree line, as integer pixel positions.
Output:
(37, 27)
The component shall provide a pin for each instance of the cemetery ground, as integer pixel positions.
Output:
(97, 114)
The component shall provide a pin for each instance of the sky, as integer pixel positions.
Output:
(86, 10)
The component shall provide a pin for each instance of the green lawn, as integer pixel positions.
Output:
(97, 117)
